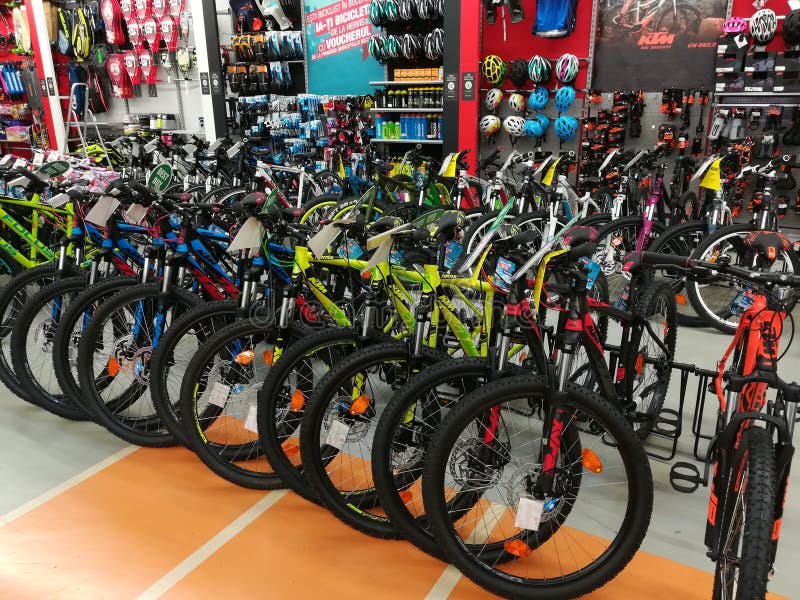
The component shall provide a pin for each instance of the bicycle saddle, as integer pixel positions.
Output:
(767, 243)
(580, 234)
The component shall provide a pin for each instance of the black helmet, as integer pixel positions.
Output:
(518, 73)
(411, 46)
(427, 9)
(406, 9)
(791, 28)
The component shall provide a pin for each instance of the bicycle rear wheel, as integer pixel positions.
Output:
(746, 546)
(584, 530)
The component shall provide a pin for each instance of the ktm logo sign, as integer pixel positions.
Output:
(657, 38)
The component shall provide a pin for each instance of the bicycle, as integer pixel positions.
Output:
(628, 18)
(749, 458)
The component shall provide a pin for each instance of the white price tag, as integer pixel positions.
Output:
(38, 159)
(248, 237)
(58, 200)
(251, 422)
(794, 4)
(136, 214)
(740, 40)
(337, 435)
(5, 160)
(529, 514)
(324, 238)
(219, 394)
(19, 163)
(102, 210)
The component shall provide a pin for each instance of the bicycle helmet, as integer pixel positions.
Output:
(539, 69)
(566, 127)
(516, 102)
(567, 68)
(375, 48)
(494, 70)
(391, 47)
(375, 12)
(433, 44)
(518, 73)
(533, 128)
(493, 98)
(440, 7)
(763, 25)
(411, 46)
(406, 9)
(538, 98)
(734, 25)
(514, 126)
(791, 28)
(565, 96)
(489, 125)
(391, 11)
(544, 121)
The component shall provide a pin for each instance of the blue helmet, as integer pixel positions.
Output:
(533, 128)
(565, 96)
(566, 127)
(538, 98)
(544, 121)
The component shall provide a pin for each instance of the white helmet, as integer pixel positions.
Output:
(489, 124)
(493, 98)
(763, 25)
(516, 102)
(514, 126)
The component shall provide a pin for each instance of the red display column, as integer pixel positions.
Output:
(40, 43)
(462, 44)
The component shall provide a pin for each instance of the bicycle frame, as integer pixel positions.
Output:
(31, 236)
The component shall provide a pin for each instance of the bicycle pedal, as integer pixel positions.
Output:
(685, 477)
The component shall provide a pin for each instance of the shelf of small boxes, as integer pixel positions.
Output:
(741, 68)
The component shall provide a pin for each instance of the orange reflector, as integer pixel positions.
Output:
(359, 405)
(245, 357)
(290, 448)
(113, 367)
(590, 461)
(298, 401)
(523, 356)
(405, 496)
(666, 329)
(366, 275)
(518, 548)
(269, 357)
(680, 299)
(639, 364)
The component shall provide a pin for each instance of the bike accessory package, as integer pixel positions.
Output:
(555, 18)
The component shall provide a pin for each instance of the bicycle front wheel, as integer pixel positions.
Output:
(584, 508)
(746, 546)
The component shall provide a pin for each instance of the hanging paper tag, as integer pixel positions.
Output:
(219, 394)
(503, 273)
(380, 255)
(175, 7)
(594, 271)
(135, 214)
(251, 422)
(58, 200)
(323, 239)
(126, 7)
(142, 9)
(248, 237)
(152, 33)
(529, 514)
(452, 252)
(350, 250)
(102, 211)
(337, 435)
(158, 8)
(712, 179)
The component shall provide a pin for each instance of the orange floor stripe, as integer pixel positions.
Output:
(116, 533)
(299, 550)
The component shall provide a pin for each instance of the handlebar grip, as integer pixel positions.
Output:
(635, 259)
(182, 197)
(582, 250)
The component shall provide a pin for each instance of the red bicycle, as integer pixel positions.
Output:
(752, 450)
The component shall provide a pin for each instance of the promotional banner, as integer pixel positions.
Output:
(657, 44)
(338, 62)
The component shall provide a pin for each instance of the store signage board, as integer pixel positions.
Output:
(54, 169)
(451, 87)
(468, 86)
(337, 32)
(205, 89)
(160, 178)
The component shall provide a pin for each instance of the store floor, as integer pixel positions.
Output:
(85, 516)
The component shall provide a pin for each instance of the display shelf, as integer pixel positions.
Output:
(757, 93)
(403, 141)
(406, 110)
(405, 83)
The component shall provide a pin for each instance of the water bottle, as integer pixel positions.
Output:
(379, 126)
